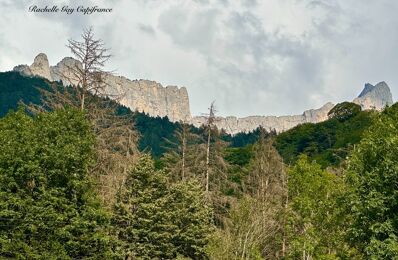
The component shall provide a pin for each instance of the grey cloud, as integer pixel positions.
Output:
(147, 29)
(255, 82)
(194, 31)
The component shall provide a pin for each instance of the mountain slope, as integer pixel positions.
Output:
(15, 88)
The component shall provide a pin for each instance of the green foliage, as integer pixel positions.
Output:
(154, 131)
(156, 221)
(243, 139)
(239, 155)
(242, 236)
(192, 216)
(328, 142)
(314, 218)
(344, 111)
(373, 197)
(14, 89)
(48, 208)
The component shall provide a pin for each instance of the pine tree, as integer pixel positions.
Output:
(192, 214)
(156, 221)
(88, 90)
(141, 219)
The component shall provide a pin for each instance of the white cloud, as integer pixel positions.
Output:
(252, 57)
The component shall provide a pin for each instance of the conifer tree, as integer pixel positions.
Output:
(156, 221)
(48, 209)
(192, 214)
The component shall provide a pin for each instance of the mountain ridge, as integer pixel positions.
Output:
(156, 100)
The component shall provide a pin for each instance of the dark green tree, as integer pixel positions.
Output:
(373, 180)
(48, 209)
(156, 221)
(192, 215)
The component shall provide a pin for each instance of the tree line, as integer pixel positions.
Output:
(74, 185)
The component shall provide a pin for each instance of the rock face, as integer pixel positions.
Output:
(141, 95)
(151, 97)
(371, 97)
(374, 97)
(40, 67)
(235, 125)
(154, 99)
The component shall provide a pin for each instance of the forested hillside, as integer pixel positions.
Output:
(328, 142)
(16, 89)
(71, 190)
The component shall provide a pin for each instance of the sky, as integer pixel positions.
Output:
(252, 57)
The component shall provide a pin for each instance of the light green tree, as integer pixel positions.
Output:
(373, 198)
(314, 226)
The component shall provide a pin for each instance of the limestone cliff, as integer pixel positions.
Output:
(372, 97)
(234, 125)
(141, 95)
(152, 98)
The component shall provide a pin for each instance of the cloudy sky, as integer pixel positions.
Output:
(253, 57)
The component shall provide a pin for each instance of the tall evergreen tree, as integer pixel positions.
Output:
(48, 209)
(156, 221)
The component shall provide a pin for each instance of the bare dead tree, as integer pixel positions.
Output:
(86, 88)
(181, 154)
(210, 121)
(87, 74)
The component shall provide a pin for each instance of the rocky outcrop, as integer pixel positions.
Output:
(154, 99)
(63, 71)
(234, 125)
(40, 67)
(374, 97)
(151, 97)
(141, 95)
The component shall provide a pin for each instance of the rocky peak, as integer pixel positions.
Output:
(318, 115)
(40, 67)
(141, 95)
(63, 71)
(374, 97)
(368, 87)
